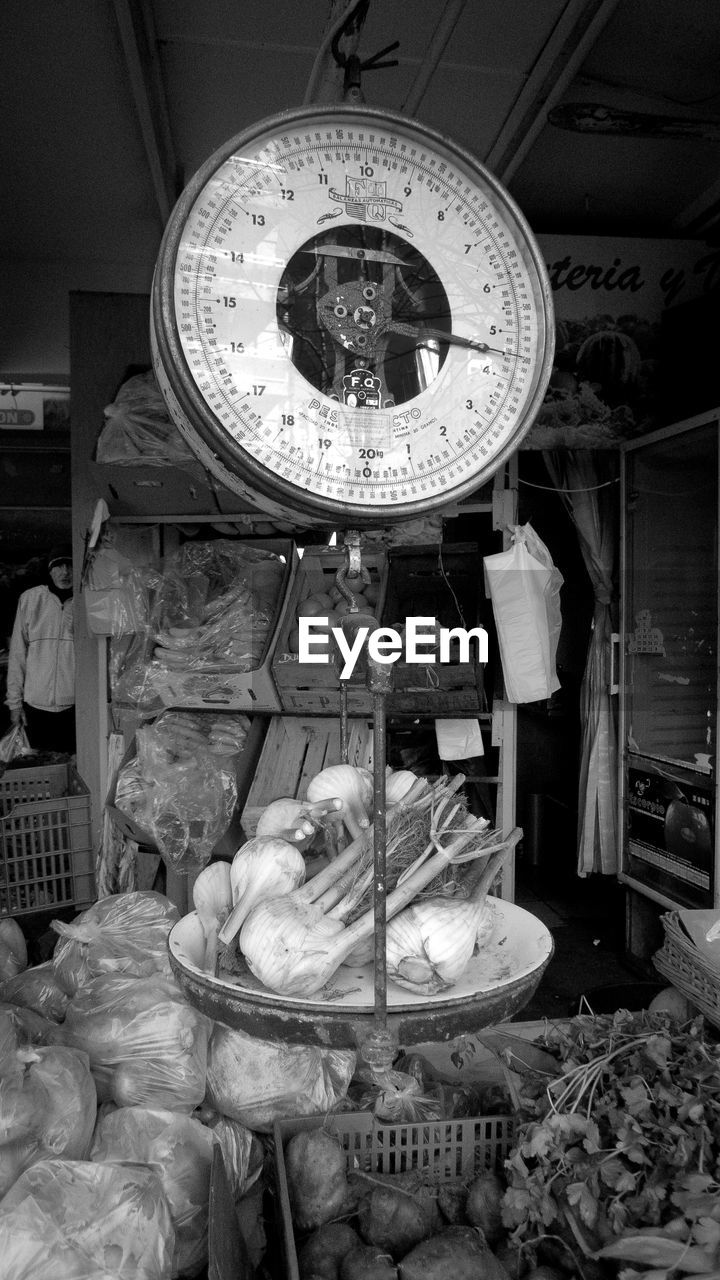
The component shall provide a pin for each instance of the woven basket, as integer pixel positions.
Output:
(685, 968)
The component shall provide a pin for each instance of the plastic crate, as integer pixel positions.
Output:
(46, 857)
(450, 1151)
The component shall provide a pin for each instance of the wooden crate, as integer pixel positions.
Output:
(295, 749)
(305, 687)
(438, 689)
(443, 582)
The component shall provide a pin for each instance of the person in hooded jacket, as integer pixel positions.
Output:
(41, 659)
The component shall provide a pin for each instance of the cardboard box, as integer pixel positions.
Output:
(235, 690)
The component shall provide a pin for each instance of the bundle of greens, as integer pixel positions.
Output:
(617, 1157)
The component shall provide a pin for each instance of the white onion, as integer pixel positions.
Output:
(429, 945)
(285, 941)
(265, 867)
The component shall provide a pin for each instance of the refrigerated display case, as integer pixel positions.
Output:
(668, 664)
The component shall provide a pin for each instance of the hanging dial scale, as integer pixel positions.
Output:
(350, 318)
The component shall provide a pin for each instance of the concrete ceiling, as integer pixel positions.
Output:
(109, 106)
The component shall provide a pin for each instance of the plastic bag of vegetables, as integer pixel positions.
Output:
(76, 1220)
(124, 933)
(242, 1151)
(179, 1150)
(147, 1046)
(13, 948)
(47, 1108)
(27, 1028)
(258, 1081)
(184, 804)
(37, 988)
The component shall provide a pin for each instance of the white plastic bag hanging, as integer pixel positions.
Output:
(524, 587)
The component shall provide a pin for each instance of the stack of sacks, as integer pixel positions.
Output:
(126, 1196)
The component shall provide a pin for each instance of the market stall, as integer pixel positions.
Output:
(277, 1034)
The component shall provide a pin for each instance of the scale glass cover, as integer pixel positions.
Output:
(350, 317)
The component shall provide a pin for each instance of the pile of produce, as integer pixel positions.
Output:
(332, 605)
(180, 787)
(614, 1171)
(106, 1137)
(216, 606)
(616, 1162)
(294, 931)
(350, 1224)
(208, 609)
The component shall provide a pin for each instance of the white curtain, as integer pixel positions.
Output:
(587, 480)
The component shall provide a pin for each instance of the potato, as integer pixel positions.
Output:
(322, 1253)
(458, 1253)
(451, 1201)
(413, 1182)
(392, 1220)
(483, 1206)
(317, 1178)
(367, 1263)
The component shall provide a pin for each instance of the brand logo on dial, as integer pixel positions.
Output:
(422, 641)
(365, 198)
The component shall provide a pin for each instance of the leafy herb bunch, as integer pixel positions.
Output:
(619, 1154)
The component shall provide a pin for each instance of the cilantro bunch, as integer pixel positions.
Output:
(618, 1155)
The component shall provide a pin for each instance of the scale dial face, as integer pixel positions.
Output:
(350, 317)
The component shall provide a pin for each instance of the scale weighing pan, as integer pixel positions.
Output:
(498, 982)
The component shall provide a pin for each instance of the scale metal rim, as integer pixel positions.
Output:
(196, 421)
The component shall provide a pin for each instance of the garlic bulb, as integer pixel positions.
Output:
(212, 899)
(397, 784)
(284, 942)
(265, 867)
(429, 945)
(349, 784)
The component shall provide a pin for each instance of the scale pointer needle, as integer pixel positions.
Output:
(439, 335)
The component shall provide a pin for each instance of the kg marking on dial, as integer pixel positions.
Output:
(349, 313)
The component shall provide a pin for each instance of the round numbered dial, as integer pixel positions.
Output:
(350, 316)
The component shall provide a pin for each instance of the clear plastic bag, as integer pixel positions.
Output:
(14, 744)
(242, 1151)
(48, 1107)
(112, 606)
(76, 1220)
(138, 429)
(260, 1081)
(209, 609)
(180, 789)
(524, 587)
(179, 1150)
(37, 989)
(29, 1027)
(124, 933)
(216, 606)
(147, 1046)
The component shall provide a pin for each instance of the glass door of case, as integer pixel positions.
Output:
(669, 675)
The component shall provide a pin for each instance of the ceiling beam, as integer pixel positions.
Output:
(559, 61)
(702, 214)
(139, 48)
(446, 24)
